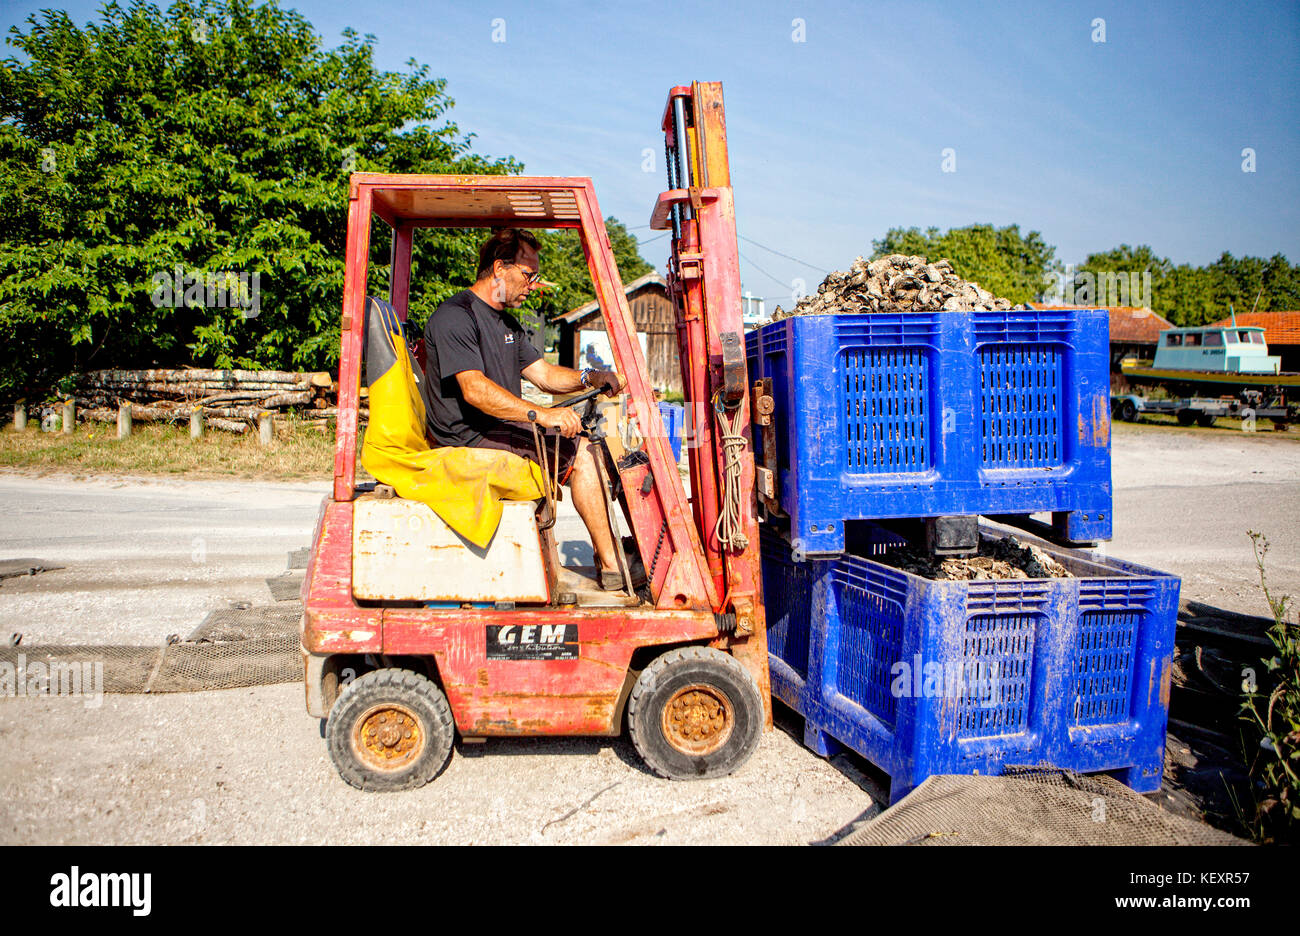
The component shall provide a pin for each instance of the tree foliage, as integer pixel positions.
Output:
(1002, 260)
(564, 264)
(1189, 295)
(216, 135)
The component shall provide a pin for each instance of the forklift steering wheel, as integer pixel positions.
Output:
(582, 397)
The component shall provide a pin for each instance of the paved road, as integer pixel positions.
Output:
(151, 557)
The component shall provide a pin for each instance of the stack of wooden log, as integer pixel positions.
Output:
(231, 400)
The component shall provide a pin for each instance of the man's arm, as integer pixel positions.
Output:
(551, 378)
(487, 395)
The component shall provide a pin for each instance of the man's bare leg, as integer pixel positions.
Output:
(589, 499)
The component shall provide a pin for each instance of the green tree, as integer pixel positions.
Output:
(215, 135)
(1017, 267)
(565, 265)
(1189, 295)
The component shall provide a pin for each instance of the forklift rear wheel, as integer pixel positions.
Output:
(390, 730)
(695, 713)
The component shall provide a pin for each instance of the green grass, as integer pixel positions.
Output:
(298, 452)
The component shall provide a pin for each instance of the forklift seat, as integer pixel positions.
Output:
(462, 486)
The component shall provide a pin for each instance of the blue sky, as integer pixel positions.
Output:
(839, 137)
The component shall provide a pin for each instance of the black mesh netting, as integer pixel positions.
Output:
(231, 649)
(1031, 806)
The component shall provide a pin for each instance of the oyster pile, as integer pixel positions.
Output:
(1005, 558)
(895, 284)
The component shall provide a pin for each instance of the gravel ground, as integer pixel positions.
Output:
(135, 771)
(1184, 499)
(146, 558)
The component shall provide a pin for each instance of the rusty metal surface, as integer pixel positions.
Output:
(388, 737)
(332, 620)
(698, 720)
(527, 696)
(353, 328)
(704, 283)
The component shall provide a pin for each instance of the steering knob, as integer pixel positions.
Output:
(532, 415)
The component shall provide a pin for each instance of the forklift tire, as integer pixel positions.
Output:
(390, 730)
(695, 713)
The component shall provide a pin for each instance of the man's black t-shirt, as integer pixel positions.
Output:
(462, 334)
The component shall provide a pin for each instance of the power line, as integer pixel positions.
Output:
(779, 254)
(763, 271)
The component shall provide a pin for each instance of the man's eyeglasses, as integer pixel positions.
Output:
(533, 276)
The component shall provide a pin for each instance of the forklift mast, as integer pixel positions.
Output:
(704, 286)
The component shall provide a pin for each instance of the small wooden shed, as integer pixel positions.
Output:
(582, 332)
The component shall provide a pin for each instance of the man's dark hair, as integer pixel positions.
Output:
(504, 244)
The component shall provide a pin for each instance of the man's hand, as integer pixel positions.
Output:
(610, 380)
(562, 418)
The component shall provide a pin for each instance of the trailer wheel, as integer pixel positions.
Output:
(390, 730)
(1128, 411)
(695, 713)
(1206, 420)
(1187, 417)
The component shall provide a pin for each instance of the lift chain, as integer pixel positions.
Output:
(654, 563)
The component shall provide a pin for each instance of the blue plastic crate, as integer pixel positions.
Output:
(930, 414)
(674, 417)
(929, 677)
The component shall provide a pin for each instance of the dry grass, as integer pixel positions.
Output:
(298, 453)
(1160, 422)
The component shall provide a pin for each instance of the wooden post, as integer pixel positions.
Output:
(196, 423)
(265, 428)
(20, 416)
(124, 420)
(69, 415)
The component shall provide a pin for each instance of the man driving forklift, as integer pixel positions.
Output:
(476, 353)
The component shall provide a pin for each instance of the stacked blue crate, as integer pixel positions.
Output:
(919, 415)
(930, 414)
(925, 677)
(674, 417)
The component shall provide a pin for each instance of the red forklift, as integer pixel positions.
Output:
(402, 653)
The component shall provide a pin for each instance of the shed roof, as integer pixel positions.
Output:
(653, 278)
(1128, 324)
(1280, 328)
